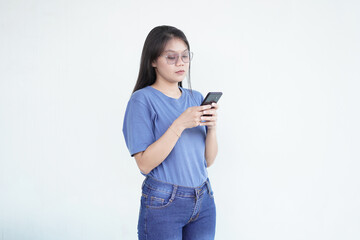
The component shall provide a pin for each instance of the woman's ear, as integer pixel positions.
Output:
(154, 64)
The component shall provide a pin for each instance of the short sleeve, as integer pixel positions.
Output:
(138, 126)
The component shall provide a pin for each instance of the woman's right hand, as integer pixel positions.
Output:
(190, 118)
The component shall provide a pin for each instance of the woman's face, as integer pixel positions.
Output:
(170, 66)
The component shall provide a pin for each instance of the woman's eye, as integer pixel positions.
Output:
(171, 57)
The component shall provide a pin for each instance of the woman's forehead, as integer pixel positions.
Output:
(175, 45)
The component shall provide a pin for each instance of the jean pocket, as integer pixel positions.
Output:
(157, 202)
(158, 199)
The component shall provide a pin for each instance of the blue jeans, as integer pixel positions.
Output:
(171, 212)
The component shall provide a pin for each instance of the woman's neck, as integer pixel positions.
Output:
(169, 89)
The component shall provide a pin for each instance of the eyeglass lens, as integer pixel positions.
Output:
(173, 57)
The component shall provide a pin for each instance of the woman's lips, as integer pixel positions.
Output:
(180, 72)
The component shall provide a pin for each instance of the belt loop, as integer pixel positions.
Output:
(173, 193)
(208, 186)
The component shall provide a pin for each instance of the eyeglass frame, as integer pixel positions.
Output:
(191, 55)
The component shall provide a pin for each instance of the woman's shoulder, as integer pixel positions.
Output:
(141, 95)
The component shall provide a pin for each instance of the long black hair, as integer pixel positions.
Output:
(153, 47)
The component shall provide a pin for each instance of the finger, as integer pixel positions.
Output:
(202, 108)
(215, 106)
(208, 124)
(198, 114)
(197, 121)
(211, 112)
(209, 119)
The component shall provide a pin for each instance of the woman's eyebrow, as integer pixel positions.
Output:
(174, 50)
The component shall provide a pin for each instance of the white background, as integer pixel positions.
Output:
(288, 129)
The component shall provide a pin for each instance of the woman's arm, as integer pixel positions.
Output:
(159, 150)
(211, 145)
(156, 153)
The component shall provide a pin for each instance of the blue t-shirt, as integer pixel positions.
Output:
(148, 115)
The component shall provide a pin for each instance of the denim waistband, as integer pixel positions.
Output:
(176, 189)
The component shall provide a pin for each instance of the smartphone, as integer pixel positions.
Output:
(211, 97)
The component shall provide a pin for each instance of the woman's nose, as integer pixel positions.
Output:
(179, 61)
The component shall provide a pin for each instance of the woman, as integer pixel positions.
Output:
(172, 142)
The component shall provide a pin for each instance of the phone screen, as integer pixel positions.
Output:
(211, 97)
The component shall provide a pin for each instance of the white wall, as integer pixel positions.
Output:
(288, 166)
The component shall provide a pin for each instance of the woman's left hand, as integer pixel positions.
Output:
(210, 121)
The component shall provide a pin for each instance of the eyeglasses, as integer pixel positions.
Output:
(172, 58)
